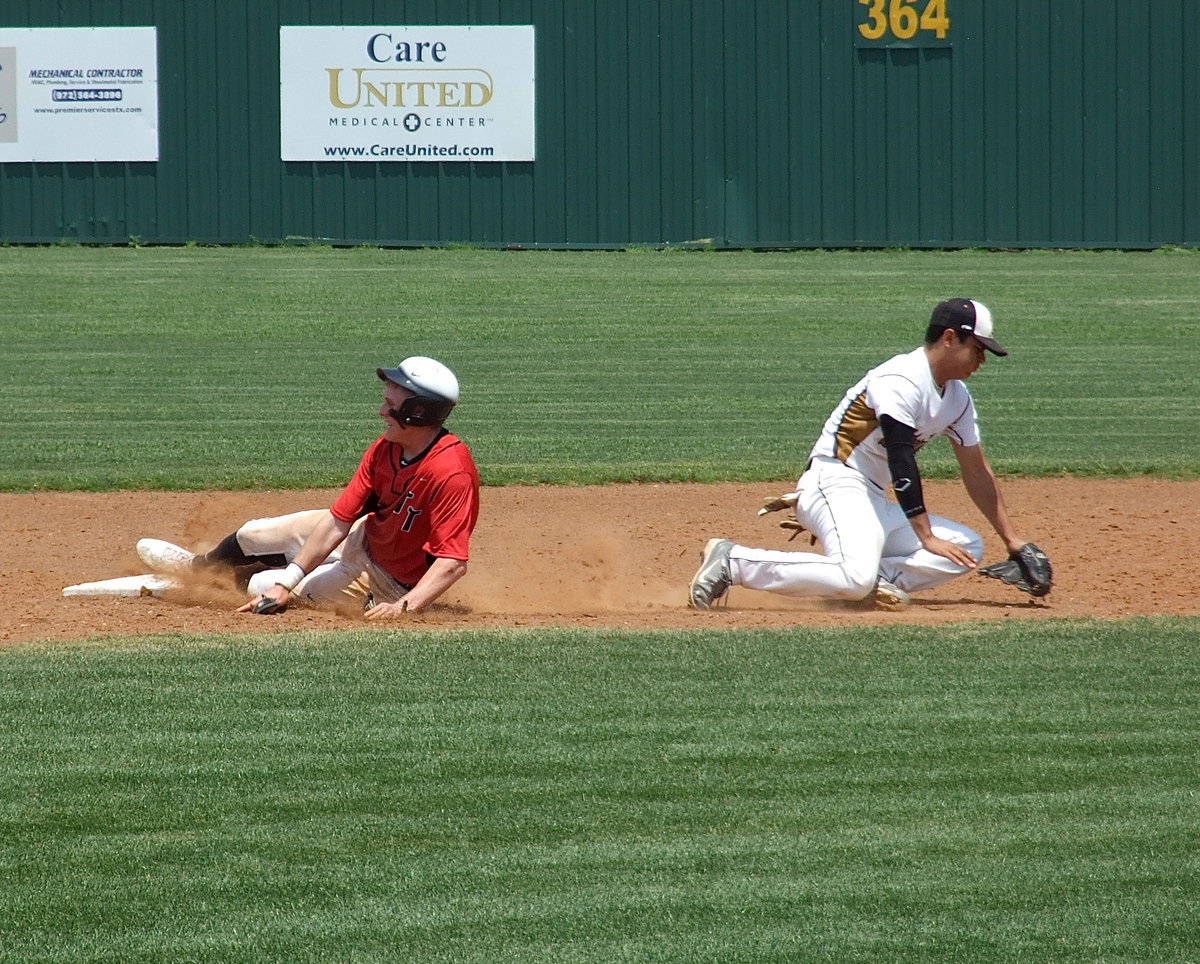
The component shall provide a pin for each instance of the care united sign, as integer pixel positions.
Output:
(406, 93)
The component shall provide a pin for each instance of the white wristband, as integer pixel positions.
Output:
(290, 577)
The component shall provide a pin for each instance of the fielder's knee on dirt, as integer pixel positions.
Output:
(969, 539)
(975, 546)
(859, 583)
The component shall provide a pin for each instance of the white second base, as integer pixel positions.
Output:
(150, 584)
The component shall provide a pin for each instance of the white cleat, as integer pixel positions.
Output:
(890, 597)
(163, 556)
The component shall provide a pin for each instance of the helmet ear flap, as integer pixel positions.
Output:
(422, 410)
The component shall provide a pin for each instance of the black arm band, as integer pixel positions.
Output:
(900, 441)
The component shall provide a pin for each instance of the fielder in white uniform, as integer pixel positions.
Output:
(872, 545)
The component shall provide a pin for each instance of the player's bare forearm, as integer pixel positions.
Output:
(443, 574)
(326, 536)
(985, 493)
(981, 485)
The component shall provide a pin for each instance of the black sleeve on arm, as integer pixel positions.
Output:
(900, 441)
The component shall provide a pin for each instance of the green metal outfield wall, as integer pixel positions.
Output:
(759, 123)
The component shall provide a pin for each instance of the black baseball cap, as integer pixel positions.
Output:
(973, 317)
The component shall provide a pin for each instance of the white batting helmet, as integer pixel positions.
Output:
(434, 388)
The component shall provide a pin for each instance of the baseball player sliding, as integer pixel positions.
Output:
(873, 546)
(395, 539)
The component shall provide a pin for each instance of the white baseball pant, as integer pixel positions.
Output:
(864, 535)
(348, 576)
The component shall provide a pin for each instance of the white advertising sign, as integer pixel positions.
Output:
(406, 93)
(78, 94)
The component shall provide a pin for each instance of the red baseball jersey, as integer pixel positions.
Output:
(418, 511)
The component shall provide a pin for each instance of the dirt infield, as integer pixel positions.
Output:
(612, 556)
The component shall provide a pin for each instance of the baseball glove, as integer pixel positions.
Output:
(1028, 569)
(791, 524)
(266, 606)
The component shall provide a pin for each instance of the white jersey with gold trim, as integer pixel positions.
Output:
(902, 387)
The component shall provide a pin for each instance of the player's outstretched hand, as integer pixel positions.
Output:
(273, 600)
(388, 610)
(950, 550)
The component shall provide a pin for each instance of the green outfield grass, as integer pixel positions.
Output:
(241, 367)
(991, 793)
(1023, 790)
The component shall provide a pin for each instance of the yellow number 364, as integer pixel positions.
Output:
(902, 19)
